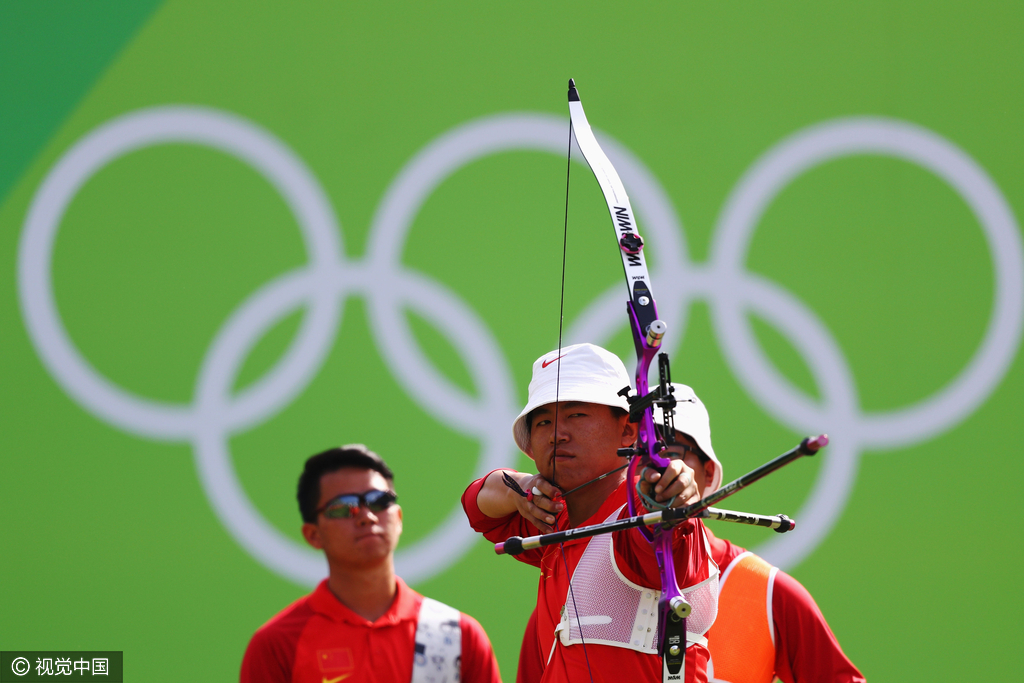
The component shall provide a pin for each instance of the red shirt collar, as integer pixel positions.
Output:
(405, 606)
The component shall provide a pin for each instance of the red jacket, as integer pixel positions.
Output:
(317, 638)
(634, 558)
(806, 651)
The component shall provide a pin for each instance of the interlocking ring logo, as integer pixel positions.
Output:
(215, 414)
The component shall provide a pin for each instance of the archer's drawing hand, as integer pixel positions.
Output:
(543, 504)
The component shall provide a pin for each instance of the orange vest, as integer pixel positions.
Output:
(742, 639)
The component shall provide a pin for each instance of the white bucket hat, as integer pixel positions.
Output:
(581, 372)
(691, 418)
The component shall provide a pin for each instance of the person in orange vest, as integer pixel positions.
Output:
(748, 645)
(363, 623)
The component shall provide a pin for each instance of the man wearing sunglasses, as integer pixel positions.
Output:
(362, 623)
(597, 602)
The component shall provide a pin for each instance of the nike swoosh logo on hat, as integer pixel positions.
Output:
(546, 363)
(335, 680)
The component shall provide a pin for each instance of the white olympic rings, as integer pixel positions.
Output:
(321, 286)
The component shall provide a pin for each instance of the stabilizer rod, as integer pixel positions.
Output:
(809, 446)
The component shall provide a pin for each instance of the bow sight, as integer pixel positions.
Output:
(661, 396)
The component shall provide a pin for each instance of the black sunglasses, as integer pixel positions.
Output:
(347, 504)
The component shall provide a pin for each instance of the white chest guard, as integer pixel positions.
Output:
(615, 611)
(438, 656)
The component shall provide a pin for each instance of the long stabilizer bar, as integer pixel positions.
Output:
(702, 508)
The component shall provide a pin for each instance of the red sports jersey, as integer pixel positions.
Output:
(317, 639)
(634, 558)
(806, 651)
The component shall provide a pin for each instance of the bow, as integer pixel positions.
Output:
(648, 332)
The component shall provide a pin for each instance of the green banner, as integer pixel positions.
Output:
(237, 235)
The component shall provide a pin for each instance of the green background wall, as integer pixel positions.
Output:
(109, 539)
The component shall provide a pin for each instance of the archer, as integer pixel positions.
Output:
(606, 619)
(768, 626)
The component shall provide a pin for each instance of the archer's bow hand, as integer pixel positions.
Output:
(675, 487)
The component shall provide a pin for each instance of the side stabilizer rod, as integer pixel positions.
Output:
(778, 523)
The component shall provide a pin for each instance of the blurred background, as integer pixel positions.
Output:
(236, 234)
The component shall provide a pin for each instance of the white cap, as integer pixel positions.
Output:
(582, 372)
(691, 418)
